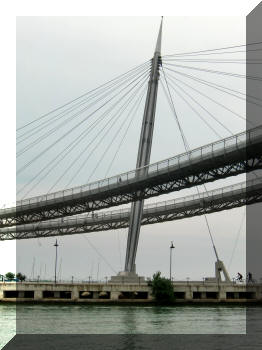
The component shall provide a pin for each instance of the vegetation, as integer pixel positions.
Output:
(162, 289)
(20, 276)
(9, 275)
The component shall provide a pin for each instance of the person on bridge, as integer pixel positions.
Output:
(239, 277)
(249, 277)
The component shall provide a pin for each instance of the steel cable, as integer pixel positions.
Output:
(68, 132)
(66, 104)
(60, 115)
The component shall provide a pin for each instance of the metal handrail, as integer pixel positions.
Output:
(152, 207)
(231, 142)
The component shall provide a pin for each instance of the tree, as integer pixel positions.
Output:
(162, 289)
(20, 276)
(10, 275)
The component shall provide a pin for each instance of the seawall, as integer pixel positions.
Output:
(184, 292)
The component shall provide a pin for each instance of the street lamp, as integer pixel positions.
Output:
(171, 247)
(55, 245)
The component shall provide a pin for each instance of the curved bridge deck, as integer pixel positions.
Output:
(208, 202)
(231, 156)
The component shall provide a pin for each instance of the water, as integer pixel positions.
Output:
(7, 323)
(114, 319)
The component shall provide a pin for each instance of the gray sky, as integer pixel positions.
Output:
(59, 58)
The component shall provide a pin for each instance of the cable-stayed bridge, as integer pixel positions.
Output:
(97, 112)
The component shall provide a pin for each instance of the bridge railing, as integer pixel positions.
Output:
(226, 145)
(148, 208)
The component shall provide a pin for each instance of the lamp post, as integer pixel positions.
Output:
(55, 245)
(171, 247)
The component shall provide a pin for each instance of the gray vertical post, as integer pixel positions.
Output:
(143, 157)
(55, 245)
(170, 267)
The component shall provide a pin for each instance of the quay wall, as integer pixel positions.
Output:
(185, 292)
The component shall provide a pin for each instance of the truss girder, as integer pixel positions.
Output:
(207, 170)
(150, 216)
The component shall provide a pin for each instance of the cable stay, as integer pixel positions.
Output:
(116, 116)
(219, 53)
(237, 238)
(119, 250)
(68, 132)
(42, 137)
(97, 251)
(68, 150)
(219, 266)
(220, 88)
(213, 50)
(108, 89)
(222, 61)
(200, 105)
(72, 145)
(216, 102)
(76, 141)
(124, 136)
(196, 112)
(236, 75)
(174, 110)
(81, 96)
(69, 119)
(130, 114)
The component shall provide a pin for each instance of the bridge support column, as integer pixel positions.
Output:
(95, 295)
(203, 295)
(21, 294)
(57, 295)
(75, 294)
(38, 295)
(189, 293)
(222, 294)
(114, 295)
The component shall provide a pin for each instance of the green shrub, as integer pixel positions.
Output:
(20, 276)
(10, 275)
(162, 289)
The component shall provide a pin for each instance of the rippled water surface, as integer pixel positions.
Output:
(7, 323)
(112, 319)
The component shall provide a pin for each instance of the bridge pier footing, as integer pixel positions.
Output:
(127, 277)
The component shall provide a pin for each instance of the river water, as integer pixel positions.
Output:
(7, 323)
(114, 319)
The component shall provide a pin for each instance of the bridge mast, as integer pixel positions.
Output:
(144, 152)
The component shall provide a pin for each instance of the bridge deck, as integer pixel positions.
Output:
(208, 202)
(231, 156)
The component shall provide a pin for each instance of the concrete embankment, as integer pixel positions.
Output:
(185, 292)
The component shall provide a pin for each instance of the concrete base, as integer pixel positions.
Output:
(127, 277)
(184, 292)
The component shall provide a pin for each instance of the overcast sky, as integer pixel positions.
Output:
(60, 58)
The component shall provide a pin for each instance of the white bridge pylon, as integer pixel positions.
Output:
(144, 152)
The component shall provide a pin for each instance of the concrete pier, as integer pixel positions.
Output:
(184, 292)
